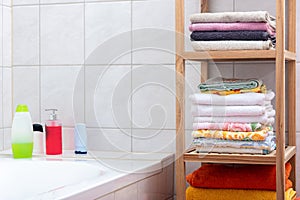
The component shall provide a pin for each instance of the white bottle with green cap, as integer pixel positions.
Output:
(22, 133)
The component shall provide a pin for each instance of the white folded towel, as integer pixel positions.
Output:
(213, 110)
(233, 99)
(223, 45)
(250, 16)
(266, 119)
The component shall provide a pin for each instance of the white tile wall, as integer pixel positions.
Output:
(7, 2)
(62, 34)
(108, 90)
(101, 139)
(252, 5)
(7, 35)
(26, 35)
(62, 88)
(108, 197)
(153, 36)
(68, 138)
(1, 35)
(153, 96)
(298, 29)
(26, 86)
(220, 70)
(193, 77)
(128, 193)
(1, 98)
(145, 140)
(191, 7)
(298, 99)
(107, 33)
(221, 5)
(1, 139)
(7, 138)
(7, 97)
(59, 1)
(25, 2)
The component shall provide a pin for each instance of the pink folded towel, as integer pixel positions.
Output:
(238, 26)
(213, 110)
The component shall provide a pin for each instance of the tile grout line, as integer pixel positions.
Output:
(84, 69)
(131, 74)
(39, 65)
(2, 96)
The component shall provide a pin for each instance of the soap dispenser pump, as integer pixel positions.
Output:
(53, 134)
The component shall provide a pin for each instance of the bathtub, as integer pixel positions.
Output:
(76, 177)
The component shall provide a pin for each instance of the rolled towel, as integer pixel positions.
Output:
(231, 45)
(235, 26)
(251, 16)
(259, 177)
(263, 119)
(229, 35)
(229, 126)
(228, 111)
(233, 99)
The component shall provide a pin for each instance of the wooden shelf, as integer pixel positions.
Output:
(235, 55)
(193, 156)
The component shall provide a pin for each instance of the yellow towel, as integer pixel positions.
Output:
(234, 194)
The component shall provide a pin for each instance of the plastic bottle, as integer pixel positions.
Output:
(22, 133)
(38, 139)
(53, 134)
(80, 139)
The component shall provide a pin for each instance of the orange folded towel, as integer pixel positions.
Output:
(235, 194)
(259, 177)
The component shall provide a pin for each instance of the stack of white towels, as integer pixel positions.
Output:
(235, 123)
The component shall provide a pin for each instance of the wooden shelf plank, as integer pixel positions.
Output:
(235, 55)
(193, 156)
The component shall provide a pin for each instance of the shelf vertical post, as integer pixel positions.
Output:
(292, 84)
(280, 99)
(180, 103)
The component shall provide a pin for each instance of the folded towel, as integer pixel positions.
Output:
(229, 35)
(239, 26)
(214, 149)
(230, 111)
(263, 119)
(252, 16)
(234, 194)
(245, 127)
(208, 144)
(223, 176)
(234, 99)
(231, 135)
(231, 45)
(225, 84)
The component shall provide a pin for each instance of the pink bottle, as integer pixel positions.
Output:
(53, 134)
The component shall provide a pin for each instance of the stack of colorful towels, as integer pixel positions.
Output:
(236, 182)
(233, 116)
(233, 31)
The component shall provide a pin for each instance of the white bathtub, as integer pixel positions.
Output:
(73, 178)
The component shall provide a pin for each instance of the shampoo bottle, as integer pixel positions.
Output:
(53, 134)
(22, 133)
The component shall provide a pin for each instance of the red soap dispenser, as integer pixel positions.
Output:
(53, 134)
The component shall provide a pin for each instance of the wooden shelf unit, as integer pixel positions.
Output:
(285, 60)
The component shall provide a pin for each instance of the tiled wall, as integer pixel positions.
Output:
(109, 64)
(5, 71)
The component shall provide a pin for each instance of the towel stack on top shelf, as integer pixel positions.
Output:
(235, 182)
(233, 116)
(233, 31)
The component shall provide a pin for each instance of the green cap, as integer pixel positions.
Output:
(22, 108)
